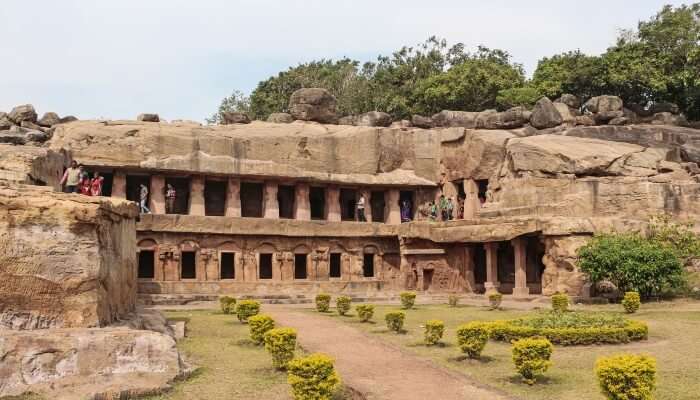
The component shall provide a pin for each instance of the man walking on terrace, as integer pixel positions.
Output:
(143, 197)
(361, 209)
(71, 178)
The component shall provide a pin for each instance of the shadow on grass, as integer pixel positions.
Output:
(246, 342)
(438, 345)
(475, 361)
(541, 380)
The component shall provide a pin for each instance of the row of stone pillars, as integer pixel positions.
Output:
(302, 202)
(520, 250)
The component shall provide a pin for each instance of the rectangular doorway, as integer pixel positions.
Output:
(251, 200)
(227, 265)
(317, 202)
(133, 187)
(427, 278)
(368, 265)
(181, 203)
(146, 264)
(348, 202)
(378, 205)
(215, 197)
(265, 267)
(300, 271)
(285, 200)
(188, 265)
(335, 265)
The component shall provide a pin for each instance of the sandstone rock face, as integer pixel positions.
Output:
(667, 118)
(478, 155)
(5, 122)
(603, 104)
(561, 273)
(373, 118)
(317, 152)
(49, 119)
(313, 104)
(87, 363)
(512, 118)
(280, 118)
(31, 165)
(403, 124)
(79, 273)
(661, 107)
(22, 113)
(69, 118)
(420, 121)
(570, 100)
(148, 117)
(235, 118)
(347, 120)
(568, 115)
(446, 118)
(545, 114)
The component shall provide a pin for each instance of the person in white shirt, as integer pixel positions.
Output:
(361, 209)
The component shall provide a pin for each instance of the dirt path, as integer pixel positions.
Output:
(376, 369)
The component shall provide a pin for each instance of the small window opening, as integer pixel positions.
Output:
(265, 268)
(188, 265)
(146, 264)
(227, 265)
(368, 265)
(300, 266)
(335, 265)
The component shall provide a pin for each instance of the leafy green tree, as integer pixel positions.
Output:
(572, 72)
(237, 102)
(525, 96)
(471, 85)
(632, 262)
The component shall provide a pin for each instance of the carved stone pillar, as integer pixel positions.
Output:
(520, 251)
(393, 216)
(119, 185)
(233, 198)
(272, 207)
(302, 204)
(197, 196)
(333, 204)
(157, 203)
(471, 202)
(491, 266)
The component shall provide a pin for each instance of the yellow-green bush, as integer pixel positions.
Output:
(364, 312)
(259, 325)
(246, 309)
(453, 300)
(408, 300)
(280, 343)
(434, 329)
(313, 377)
(323, 302)
(342, 304)
(495, 299)
(531, 357)
(472, 338)
(228, 304)
(394, 320)
(627, 376)
(560, 302)
(631, 302)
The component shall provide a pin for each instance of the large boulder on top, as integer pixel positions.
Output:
(512, 118)
(420, 121)
(233, 117)
(373, 118)
(280, 118)
(667, 118)
(663, 106)
(603, 104)
(49, 119)
(568, 114)
(313, 104)
(22, 113)
(148, 117)
(545, 114)
(68, 118)
(570, 100)
(447, 118)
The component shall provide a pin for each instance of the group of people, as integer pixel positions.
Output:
(443, 209)
(77, 180)
(405, 207)
(170, 196)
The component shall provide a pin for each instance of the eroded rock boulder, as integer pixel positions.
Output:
(313, 104)
(420, 121)
(667, 118)
(79, 273)
(5, 122)
(512, 118)
(21, 113)
(663, 106)
(280, 118)
(447, 118)
(545, 114)
(232, 117)
(146, 117)
(603, 104)
(373, 118)
(570, 100)
(568, 114)
(68, 118)
(49, 119)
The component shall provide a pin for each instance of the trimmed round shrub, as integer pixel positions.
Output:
(228, 304)
(394, 320)
(531, 357)
(495, 299)
(313, 377)
(631, 302)
(342, 304)
(560, 302)
(571, 328)
(364, 312)
(280, 343)
(472, 338)
(259, 325)
(453, 300)
(323, 302)
(434, 329)
(246, 309)
(626, 376)
(408, 300)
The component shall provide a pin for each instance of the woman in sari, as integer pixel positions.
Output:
(96, 184)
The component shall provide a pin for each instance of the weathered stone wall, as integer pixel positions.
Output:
(65, 260)
(31, 165)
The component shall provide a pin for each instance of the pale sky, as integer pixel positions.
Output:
(118, 58)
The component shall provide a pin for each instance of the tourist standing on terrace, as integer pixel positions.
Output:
(170, 195)
(450, 209)
(361, 209)
(84, 185)
(96, 184)
(443, 207)
(405, 211)
(71, 178)
(143, 196)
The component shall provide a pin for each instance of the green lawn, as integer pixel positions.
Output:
(674, 340)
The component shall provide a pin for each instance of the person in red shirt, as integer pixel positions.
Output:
(96, 184)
